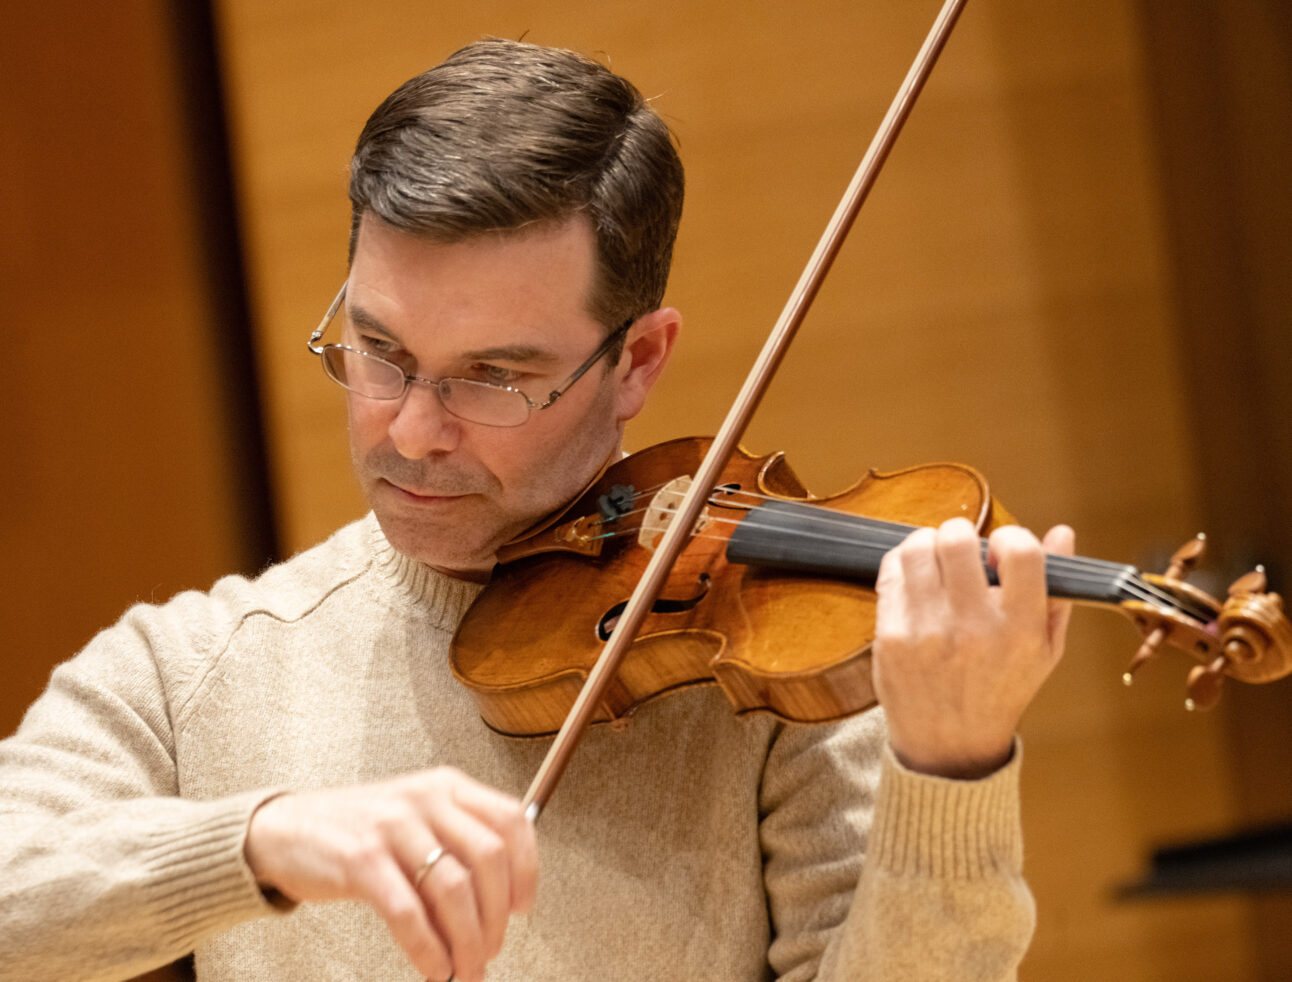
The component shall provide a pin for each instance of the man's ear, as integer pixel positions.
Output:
(646, 352)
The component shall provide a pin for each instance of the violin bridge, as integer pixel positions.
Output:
(659, 513)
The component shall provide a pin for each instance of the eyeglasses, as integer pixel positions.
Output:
(488, 403)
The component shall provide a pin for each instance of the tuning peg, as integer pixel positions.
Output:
(1186, 557)
(1204, 684)
(1145, 653)
(1253, 582)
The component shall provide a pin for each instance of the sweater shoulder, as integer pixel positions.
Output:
(286, 591)
(291, 589)
(185, 636)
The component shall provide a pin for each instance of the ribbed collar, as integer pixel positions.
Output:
(418, 584)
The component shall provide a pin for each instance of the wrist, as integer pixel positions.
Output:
(955, 765)
(258, 847)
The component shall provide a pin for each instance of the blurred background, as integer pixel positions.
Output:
(1073, 274)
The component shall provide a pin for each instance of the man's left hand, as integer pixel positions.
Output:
(957, 661)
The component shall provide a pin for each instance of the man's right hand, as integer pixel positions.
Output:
(368, 843)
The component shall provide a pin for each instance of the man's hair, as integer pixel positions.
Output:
(504, 136)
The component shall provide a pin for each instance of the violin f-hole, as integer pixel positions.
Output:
(662, 605)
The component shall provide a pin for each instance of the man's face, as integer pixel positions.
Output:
(508, 309)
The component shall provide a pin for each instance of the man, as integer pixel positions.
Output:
(208, 772)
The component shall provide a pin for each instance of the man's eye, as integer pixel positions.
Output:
(382, 347)
(496, 374)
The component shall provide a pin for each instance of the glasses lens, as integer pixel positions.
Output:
(480, 402)
(363, 373)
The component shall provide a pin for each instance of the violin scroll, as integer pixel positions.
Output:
(1247, 637)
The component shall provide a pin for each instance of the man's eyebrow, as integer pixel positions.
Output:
(527, 353)
(363, 320)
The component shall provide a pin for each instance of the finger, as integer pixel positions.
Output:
(1059, 541)
(921, 575)
(890, 590)
(1020, 566)
(386, 887)
(960, 561)
(506, 817)
(482, 853)
(449, 893)
(418, 863)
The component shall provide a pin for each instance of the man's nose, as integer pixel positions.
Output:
(422, 425)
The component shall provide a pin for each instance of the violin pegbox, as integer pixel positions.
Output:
(1247, 637)
(1155, 633)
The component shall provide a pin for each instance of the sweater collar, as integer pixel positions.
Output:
(418, 583)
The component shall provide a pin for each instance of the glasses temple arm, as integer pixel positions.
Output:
(327, 319)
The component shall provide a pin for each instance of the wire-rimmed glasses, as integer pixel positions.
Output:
(489, 403)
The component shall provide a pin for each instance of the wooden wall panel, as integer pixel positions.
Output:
(124, 474)
(1007, 300)
(1222, 87)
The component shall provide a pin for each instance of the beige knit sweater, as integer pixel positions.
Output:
(694, 845)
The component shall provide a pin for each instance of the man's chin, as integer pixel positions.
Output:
(442, 549)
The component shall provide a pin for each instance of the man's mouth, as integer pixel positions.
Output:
(429, 495)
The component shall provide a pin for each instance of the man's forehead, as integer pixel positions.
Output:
(574, 231)
(535, 278)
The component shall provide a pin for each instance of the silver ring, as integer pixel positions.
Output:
(432, 857)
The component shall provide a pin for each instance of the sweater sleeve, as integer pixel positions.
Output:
(105, 871)
(877, 873)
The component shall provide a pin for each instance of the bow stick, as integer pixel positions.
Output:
(751, 393)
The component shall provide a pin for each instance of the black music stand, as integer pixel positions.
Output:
(1258, 859)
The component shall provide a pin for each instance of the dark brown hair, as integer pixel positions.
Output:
(505, 135)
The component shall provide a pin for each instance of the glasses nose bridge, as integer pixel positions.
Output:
(422, 423)
(436, 385)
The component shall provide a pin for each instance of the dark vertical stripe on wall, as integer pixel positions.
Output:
(1221, 81)
(233, 346)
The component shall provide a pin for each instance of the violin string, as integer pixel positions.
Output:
(1078, 568)
(1129, 581)
(869, 535)
(1081, 568)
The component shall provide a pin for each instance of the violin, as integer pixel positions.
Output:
(772, 598)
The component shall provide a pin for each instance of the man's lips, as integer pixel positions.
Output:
(423, 495)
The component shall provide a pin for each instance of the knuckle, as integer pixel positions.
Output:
(893, 635)
(454, 882)
(511, 812)
(394, 816)
(490, 850)
(439, 782)
(922, 538)
(404, 919)
(1015, 540)
(362, 852)
(446, 773)
(958, 530)
(958, 539)
(915, 554)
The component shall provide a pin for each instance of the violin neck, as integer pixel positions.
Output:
(804, 538)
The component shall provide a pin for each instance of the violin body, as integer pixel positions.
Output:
(792, 644)
(771, 598)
